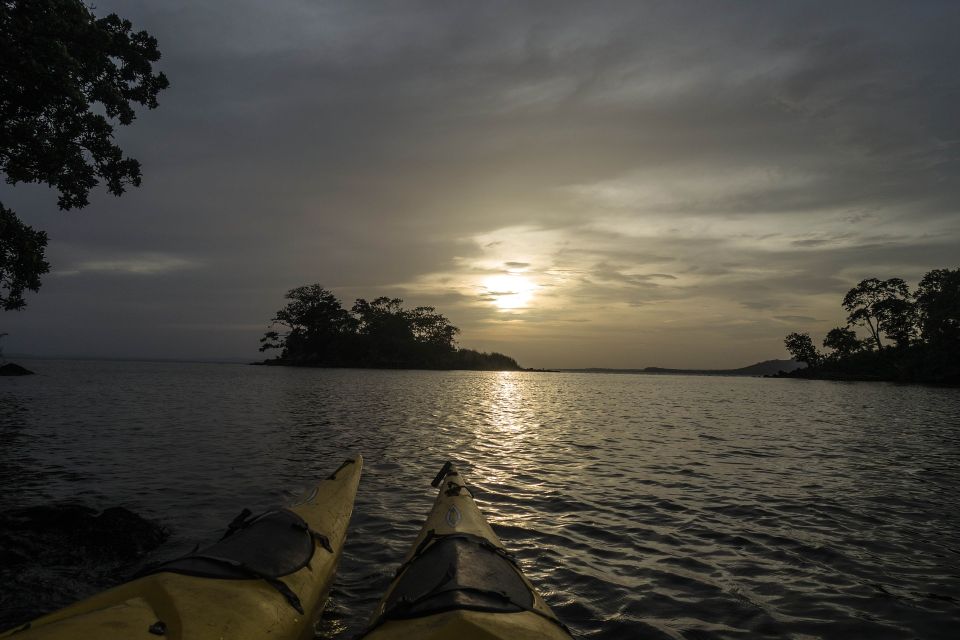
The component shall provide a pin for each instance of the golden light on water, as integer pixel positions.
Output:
(509, 291)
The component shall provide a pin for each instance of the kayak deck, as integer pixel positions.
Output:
(215, 593)
(458, 581)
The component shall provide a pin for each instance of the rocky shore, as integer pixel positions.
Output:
(57, 554)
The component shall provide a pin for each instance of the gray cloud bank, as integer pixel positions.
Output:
(673, 184)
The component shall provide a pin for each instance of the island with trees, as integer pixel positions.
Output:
(315, 330)
(910, 336)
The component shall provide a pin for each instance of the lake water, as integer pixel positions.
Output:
(640, 506)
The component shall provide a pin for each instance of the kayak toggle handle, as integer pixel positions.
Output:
(318, 537)
(322, 540)
(447, 466)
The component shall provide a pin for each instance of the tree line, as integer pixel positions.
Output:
(910, 335)
(314, 329)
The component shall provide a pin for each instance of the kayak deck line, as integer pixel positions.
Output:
(232, 588)
(458, 580)
(346, 463)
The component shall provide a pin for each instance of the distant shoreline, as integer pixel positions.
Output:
(276, 362)
(766, 368)
(769, 368)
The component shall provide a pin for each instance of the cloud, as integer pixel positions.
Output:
(674, 178)
(147, 264)
(795, 319)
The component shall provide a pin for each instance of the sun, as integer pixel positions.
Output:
(509, 291)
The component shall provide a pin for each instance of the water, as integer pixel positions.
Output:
(640, 506)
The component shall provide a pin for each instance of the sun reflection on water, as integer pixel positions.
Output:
(506, 403)
(508, 443)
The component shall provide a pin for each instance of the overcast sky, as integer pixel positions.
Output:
(574, 184)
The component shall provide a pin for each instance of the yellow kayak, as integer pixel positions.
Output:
(268, 577)
(458, 581)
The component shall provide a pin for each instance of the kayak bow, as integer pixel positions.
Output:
(458, 581)
(267, 577)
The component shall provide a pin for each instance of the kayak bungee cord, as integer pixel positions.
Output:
(459, 581)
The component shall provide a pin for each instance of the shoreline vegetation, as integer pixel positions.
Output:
(767, 368)
(912, 337)
(314, 330)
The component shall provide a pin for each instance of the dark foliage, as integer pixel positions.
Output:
(924, 328)
(938, 307)
(881, 306)
(314, 329)
(21, 260)
(843, 341)
(800, 346)
(58, 62)
(66, 77)
(470, 359)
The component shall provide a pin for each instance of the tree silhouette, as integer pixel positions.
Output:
(316, 326)
(313, 329)
(66, 77)
(938, 307)
(386, 338)
(800, 346)
(925, 328)
(880, 305)
(899, 320)
(842, 340)
(21, 260)
(432, 328)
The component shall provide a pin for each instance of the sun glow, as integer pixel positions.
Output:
(509, 291)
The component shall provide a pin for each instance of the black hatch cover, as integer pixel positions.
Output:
(458, 572)
(272, 545)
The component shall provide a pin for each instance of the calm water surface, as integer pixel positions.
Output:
(640, 506)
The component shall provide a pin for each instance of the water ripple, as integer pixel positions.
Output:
(641, 506)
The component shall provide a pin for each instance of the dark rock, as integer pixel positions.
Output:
(11, 369)
(69, 533)
(52, 555)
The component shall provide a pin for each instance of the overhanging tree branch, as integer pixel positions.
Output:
(59, 62)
